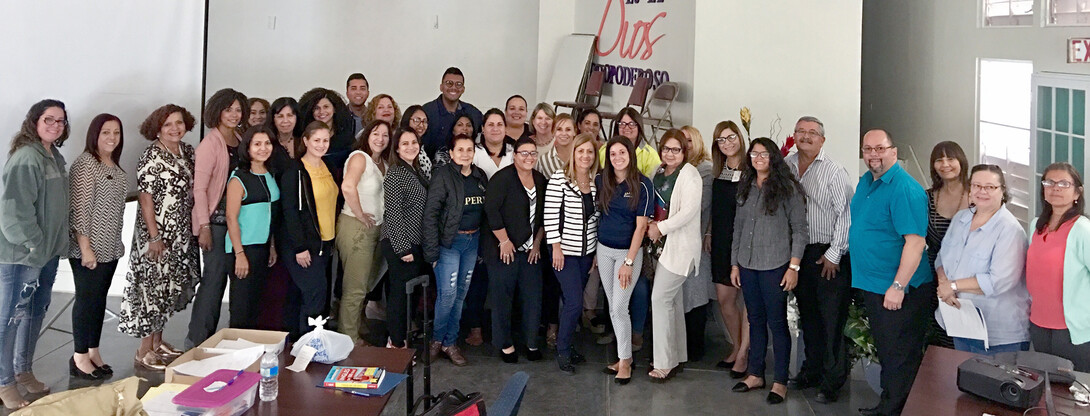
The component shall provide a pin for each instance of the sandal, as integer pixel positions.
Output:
(150, 361)
(11, 397)
(168, 350)
(32, 385)
(660, 376)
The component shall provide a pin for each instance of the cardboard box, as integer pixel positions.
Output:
(252, 335)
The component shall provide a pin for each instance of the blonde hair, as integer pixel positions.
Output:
(699, 153)
(548, 111)
(581, 139)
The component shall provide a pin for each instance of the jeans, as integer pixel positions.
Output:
(976, 346)
(453, 273)
(766, 304)
(572, 279)
(25, 293)
(90, 307)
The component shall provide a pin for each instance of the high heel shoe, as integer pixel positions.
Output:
(74, 371)
(32, 385)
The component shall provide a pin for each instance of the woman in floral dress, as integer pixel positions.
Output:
(164, 266)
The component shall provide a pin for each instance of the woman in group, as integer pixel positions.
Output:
(678, 191)
(309, 206)
(1059, 315)
(541, 127)
(515, 118)
(948, 195)
(383, 107)
(770, 235)
(625, 199)
(98, 190)
(452, 222)
(728, 163)
(283, 120)
(405, 192)
(252, 198)
(32, 239)
(590, 121)
(463, 124)
(493, 152)
(473, 309)
(416, 119)
(259, 111)
(514, 204)
(698, 289)
(359, 222)
(325, 105)
(982, 260)
(558, 153)
(571, 229)
(217, 156)
(164, 262)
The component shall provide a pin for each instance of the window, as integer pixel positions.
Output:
(1069, 12)
(1008, 12)
(1004, 126)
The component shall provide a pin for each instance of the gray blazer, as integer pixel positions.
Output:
(766, 242)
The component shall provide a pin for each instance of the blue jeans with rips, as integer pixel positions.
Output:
(453, 272)
(25, 293)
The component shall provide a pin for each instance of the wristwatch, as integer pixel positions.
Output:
(628, 262)
(898, 286)
(954, 286)
(794, 267)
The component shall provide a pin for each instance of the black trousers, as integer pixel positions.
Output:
(309, 292)
(899, 337)
(504, 281)
(205, 316)
(696, 323)
(550, 289)
(1057, 342)
(396, 299)
(473, 312)
(89, 308)
(823, 312)
(245, 294)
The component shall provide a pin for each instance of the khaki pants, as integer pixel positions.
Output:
(358, 250)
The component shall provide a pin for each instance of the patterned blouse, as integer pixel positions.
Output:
(97, 207)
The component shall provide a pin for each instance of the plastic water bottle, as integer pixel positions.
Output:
(270, 366)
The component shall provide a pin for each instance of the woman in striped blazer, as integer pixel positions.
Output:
(571, 228)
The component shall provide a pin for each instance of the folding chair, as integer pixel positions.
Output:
(592, 89)
(665, 94)
(638, 98)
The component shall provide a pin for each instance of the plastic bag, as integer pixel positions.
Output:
(331, 346)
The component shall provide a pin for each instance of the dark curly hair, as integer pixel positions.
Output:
(95, 129)
(342, 117)
(28, 132)
(151, 125)
(220, 102)
(781, 183)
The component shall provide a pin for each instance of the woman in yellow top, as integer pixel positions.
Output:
(629, 123)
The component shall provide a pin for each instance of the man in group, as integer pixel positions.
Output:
(357, 91)
(886, 239)
(824, 285)
(445, 109)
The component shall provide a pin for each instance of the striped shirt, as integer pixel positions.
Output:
(531, 193)
(828, 198)
(565, 221)
(550, 162)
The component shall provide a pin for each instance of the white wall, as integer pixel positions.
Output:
(124, 57)
(395, 44)
(556, 20)
(920, 67)
(782, 59)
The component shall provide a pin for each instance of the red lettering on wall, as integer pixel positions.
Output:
(641, 31)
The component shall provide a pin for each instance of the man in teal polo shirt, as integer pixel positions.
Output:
(886, 239)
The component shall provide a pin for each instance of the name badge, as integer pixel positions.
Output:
(736, 176)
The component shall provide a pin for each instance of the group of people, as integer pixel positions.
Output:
(534, 212)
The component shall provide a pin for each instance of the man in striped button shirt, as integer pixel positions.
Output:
(824, 286)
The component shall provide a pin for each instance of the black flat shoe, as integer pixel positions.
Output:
(512, 358)
(534, 355)
(737, 374)
(773, 398)
(869, 411)
(725, 364)
(802, 383)
(577, 358)
(742, 387)
(565, 364)
(622, 381)
(610, 371)
(77, 373)
(105, 369)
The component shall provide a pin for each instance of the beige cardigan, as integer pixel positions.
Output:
(681, 254)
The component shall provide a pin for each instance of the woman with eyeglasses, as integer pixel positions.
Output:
(770, 236)
(493, 152)
(698, 290)
(728, 163)
(416, 119)
(678, 191)
(981, 261)
(1059, 316)
(32, 240)
(514, 204)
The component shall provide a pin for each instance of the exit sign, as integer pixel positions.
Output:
(1078, 50)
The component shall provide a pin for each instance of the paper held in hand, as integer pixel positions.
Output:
(964, 322)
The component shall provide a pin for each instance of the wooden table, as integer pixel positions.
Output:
(298, 394)
(935, 391)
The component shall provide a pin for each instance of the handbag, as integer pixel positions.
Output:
(456, 403)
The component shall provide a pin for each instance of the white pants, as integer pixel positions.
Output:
(609, 263)
(668, 319)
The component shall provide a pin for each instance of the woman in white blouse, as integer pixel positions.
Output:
(493, 153)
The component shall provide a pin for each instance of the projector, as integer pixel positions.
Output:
(1003, 383)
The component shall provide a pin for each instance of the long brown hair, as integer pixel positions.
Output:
(718, 158)
(95, 129)
(953, 150)
(581, 139)
(1075, 210)
(28, 132)
(609, 175)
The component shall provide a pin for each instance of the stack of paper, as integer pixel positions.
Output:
(964, 322)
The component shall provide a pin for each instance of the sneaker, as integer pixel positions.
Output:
(455, 355)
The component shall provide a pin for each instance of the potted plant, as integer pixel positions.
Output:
(862, 346)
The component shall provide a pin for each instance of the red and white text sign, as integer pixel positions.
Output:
(1078, 50)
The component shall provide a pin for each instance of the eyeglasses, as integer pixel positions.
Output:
(671, 150)
(811, 133)
(877, 149)
(759, 155)
(627, 124)
(527, 153)
(729, 138)
(49, 121)
(418, 120)
(452, 84)
(986, 188)
(1048, 183)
